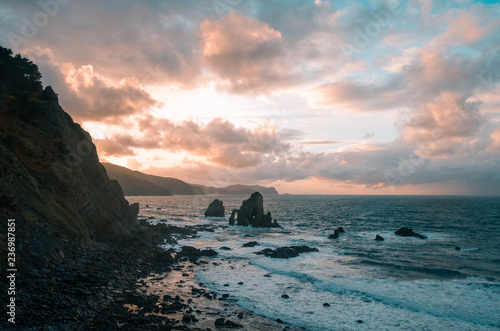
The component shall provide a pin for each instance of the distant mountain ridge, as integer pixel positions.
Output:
(137, 183)
(235, 189)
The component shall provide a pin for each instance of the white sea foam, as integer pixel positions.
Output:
(360, 278)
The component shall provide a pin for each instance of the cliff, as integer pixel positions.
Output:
(51, 181)
(138, 183)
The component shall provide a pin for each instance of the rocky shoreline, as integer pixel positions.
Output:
(128, 286)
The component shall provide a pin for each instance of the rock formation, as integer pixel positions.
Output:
(251, 213)
(408, 232)
(336, 233)
(286, 252)
(379, 238)
(215, 209)
(232, 217)
(134, 209)
(193, 253)
(51, 180)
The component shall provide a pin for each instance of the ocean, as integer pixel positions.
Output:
(399, 283)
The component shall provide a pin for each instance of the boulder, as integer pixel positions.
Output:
(193, 253)
(134, 209)
(251, 213)
(286, 252)
(250, 244)
(408, 232)
(215, 209)
(379, 238)
(335, 235)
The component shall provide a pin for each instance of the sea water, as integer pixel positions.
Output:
(399, 283)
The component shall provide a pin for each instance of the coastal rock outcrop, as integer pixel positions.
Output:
(379, 238)
(232, 217)
(193, 253)
(336, 233)
(134, 209)
(408, 232)
(251, 213)
(286, 252)
(50, 168)
(215, 209)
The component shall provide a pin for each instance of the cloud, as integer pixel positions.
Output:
(248, 55)
(151, 41)
(219, 141)
(87, 95)
(321, 142)
(363, 97)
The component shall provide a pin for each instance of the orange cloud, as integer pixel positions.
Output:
(87, 95)
(248, 55)
(219, 141)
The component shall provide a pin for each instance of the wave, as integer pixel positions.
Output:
(418, 297)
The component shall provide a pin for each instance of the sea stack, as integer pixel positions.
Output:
(251, 213)
(215, 209)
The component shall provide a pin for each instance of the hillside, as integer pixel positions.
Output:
(51, 180)
(137, 183)
(236, 189)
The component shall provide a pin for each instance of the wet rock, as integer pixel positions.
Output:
(379, 238)
(286, 252)
(232, 217)
(220, 321)
(285, 296)
(457, 248)
(359, 321)
(232, 325)
(225, 248)
(250, 244)
(252, 213)
(335, 235)
(193, 253)
(134, 209)
(326, 304)
(279, 320)
(215, 209)
(408, 232)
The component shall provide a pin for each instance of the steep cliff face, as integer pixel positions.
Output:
(51, 180)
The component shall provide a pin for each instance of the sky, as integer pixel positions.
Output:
(311, 97)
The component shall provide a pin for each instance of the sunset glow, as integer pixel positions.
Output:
(313, 97)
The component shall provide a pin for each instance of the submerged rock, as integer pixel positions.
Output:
(286, 252)
(379, 238)
(251, 213)
(215, 209)
(408, 232)
(336, 233)
(250, 244)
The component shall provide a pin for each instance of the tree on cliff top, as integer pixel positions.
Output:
(19, 73)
